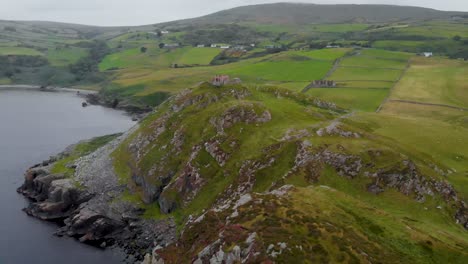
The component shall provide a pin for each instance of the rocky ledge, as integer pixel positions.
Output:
(88, 206)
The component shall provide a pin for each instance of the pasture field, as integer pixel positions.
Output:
(398, 44)
(434, 80)
(299, 71)
(66, 56)
(366, 84)
(385, 54)
(157, 58)
(293, 86)
(365, 74)
(19, 51)
(436, 30)
(123, 59)
(198, 56)
(365, 61)
(337, 28)
(351, 98)
(322, 54)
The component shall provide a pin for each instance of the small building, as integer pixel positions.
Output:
(171, 45)
(200, 46)
(164, 32)
(252, 45)
(225, 47)
(220, 80)
(322, 84)
(214, 46)
(428, 54)
(273, 46)
(332, 46)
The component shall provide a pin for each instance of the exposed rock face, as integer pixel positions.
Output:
(242, 113)
(335, 129)
(214, 149)
(54, 196)
(89, 205)
(312, 160)
(404, 177)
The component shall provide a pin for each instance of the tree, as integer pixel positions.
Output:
(457, 38)
(143, 49)
(161, 45)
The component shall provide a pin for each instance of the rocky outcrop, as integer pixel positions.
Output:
(245, 113)
(335, 129)
(89, 206)
(54, 196)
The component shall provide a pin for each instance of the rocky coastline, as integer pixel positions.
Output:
(88, 205)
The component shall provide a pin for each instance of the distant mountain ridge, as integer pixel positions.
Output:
(300, 13)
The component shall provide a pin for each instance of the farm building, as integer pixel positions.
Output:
(171, 45)
(273, 47)
(225, 47)
(220, 80)
(200, 46)
(164, 32)
(321, 84)
(428, 54)
(214, 46)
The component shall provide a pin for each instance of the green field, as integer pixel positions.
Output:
(158, 58)
(365, 74)
(365, 61)
(322, 54)
(283, 70)
(65, 56)
(399, 44)
(19, 51)
(338, 28)
(366, 84)
(434, 80)
(384, 54)
(198, 56)
(351, 98)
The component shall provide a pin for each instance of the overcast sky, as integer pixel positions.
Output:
(140, 12)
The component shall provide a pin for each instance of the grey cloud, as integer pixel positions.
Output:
(138, 12)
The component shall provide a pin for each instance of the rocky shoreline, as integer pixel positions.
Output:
(88, 206)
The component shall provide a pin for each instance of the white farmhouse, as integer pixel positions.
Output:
(428, 54)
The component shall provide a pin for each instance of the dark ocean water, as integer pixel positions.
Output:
(33, 126)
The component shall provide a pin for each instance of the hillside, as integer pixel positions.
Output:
(265, 174)
(300, 14)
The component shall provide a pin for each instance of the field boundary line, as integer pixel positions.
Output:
(336, 64)
(369, 67)
(408, 64)
(429, 104)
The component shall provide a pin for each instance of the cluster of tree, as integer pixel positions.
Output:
(12, 65)
(232, 33)
(10, 28)
(461, 53)
(87, 67)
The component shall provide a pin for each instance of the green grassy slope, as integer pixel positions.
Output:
(222, 143)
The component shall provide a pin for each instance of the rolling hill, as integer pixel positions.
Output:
(301, 14)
